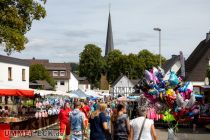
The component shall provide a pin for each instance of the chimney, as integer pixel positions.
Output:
(207, 36)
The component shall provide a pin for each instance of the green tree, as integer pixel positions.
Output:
(131, 65)
(114, 65)
(16, 17)
(136, 66)
(38, 72)
(150, 59)
(74, 67)
(119, 63)
(91, 64)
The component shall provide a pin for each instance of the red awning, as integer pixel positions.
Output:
(16, 92)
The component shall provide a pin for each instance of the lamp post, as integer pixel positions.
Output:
(159, 30)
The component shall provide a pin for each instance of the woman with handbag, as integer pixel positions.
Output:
(142, 128)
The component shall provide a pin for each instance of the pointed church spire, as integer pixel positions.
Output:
(109, 37)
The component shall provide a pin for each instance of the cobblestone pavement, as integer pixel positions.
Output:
(184, 134)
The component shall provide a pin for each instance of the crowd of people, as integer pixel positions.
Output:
(104, 121)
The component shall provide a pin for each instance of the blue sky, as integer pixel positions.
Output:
(71, 24)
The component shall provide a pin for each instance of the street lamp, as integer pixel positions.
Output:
(159, 30)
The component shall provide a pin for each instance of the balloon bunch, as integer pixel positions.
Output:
(171, 98)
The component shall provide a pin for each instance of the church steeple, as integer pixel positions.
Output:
(109, 37)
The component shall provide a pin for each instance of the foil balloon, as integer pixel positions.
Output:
(185, 103)
(161, 71)
(198, 97)
(168, 117)
(190, 102)
(155, 70)
(173, 79)
(148, 75)
(153, 92)
(150, 97)
(170, 92)
(188, 86)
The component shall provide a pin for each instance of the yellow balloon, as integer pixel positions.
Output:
(170, 92)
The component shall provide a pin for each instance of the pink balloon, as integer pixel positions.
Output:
(150, 97)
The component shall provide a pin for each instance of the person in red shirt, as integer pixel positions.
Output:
(85, 109)
(63, 117)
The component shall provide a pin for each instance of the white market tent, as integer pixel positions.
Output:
(93, 94)
(50, 92)
(80, 93)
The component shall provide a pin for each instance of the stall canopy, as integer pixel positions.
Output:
(52, 93)
(80, 93)
(92, 93)
(16, 92)
(72, 95)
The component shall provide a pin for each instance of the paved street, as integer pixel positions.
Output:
(184, 134)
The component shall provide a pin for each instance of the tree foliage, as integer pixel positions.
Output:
(132, 65)
(149, 59)
(91, 63)
(38, 72)
(74, 67)
(16, 17)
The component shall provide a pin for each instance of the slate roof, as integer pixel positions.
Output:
(134, 81)
(195, 56)
(170, 62)
(199, 61)
(82, 80)
(43, 83)
(116, 81)
(53, 67)
(12, 60)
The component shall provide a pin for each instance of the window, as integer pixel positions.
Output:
(62, 83)
(9, 73)
(55, 73)
(62, 73)
(23, 75)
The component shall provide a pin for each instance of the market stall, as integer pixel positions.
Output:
(14, 107)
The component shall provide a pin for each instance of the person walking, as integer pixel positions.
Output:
(63, 117)
(120, 124)
(98, 123)
(141, 127)
(77, 123)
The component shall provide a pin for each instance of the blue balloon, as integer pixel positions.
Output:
(191, 114)
(173, 79)
(161, 90)
(153, 91)
(198, 96)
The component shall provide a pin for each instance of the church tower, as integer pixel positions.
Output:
(109, 38)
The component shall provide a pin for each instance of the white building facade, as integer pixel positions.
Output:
(14, 73)
(74, 83)
(122, 86)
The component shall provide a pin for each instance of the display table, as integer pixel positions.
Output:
(29, 123)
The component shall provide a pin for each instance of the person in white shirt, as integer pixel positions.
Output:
(148, 132)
